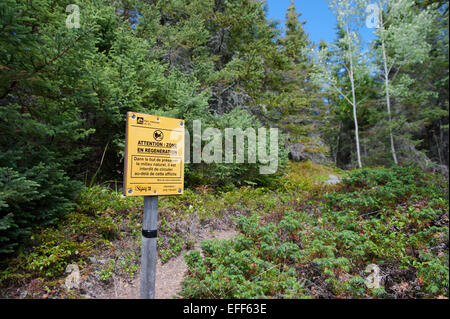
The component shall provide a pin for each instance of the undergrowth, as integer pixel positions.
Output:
(319, 245)
(299, 238)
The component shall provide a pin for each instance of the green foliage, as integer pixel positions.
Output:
(232, 269)
(101, 217)
(225, 175)
(40, 129)
(307, 251)
(35, 197)
(107, 270)
(433, 273)
(92, 200)
(371, 190)
(171, 246)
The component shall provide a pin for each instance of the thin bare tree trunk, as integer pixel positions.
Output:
(337, 143)
(388, 98)
(438, 148)
(355, 118)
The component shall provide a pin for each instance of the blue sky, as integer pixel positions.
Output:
(320, 21)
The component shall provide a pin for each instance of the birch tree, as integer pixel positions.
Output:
(401, 33)
(348, 49)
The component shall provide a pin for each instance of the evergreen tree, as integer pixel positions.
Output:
(41, 67)
(301, 108)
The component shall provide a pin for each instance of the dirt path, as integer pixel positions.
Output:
(168, 276)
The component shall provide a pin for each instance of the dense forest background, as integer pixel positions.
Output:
(64, 92)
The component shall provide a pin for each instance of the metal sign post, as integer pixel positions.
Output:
(149, 241)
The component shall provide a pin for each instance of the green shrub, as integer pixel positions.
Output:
(35, 197)
(92, 200)
(232, 269)
(102, 216)
(320, 249)
(226, 175)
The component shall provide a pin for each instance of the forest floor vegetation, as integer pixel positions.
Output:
(300, 238)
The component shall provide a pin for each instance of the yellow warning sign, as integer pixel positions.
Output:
(154, 155)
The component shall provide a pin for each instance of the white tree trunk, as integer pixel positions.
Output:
(388, 98)
(355, 118)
